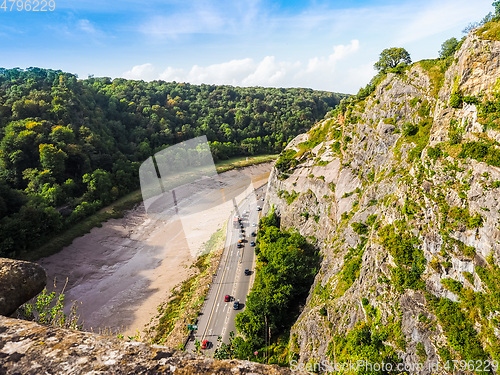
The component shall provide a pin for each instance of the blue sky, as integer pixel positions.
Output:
(325, 45)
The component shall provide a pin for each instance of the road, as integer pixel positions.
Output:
(217, 316)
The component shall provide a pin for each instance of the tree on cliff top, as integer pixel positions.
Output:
(392, 57)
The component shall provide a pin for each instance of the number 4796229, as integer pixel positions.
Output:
(28, 5)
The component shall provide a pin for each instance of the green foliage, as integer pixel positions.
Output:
(481, 151)
(459, 331)
(456, 100)
(436, 69)
(351, 267)
(359, 228)
(422, 355)
(420, 138)
(452, 285)
(322, 311)
(370, 220)
(365, 342)
(490, 30)
(424, 109)
(455, 132)
(48, 309)
(289, 197)
(286, 161)
(410, 208)
(286, 268)
(410, 129)
(55, 128)
(391, 58)
(448, 48)
(409, 259)
(469, 277)
(457, 215)
(434, 153)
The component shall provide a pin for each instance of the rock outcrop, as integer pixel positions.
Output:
(19, 282)
(29, 348)
(406, 218)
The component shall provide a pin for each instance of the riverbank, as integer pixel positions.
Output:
(121, 272)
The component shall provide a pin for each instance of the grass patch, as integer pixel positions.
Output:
(243, 161)
(490, 30)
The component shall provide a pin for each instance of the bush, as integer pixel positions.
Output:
(359, 228)
(455, 100)
(434, 153)
(474, 150)
(410, 129)
(453, 286)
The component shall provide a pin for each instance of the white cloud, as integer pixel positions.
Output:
(145, 72)
(340, 52)
(87, 26)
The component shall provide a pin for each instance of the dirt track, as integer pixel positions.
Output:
(120, 273)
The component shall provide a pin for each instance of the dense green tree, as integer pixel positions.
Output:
(448, 48)
(392, 57)
(52, 159)
(286, 268)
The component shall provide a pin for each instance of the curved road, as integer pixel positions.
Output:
(217, 316)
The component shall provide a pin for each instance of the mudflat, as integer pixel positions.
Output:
(120, 273)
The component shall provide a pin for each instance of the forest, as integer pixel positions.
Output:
(70, 146)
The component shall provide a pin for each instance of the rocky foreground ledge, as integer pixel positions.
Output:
(30, 348)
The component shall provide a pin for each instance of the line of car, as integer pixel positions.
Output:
(206, 344)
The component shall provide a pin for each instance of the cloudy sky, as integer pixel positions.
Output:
(326, 45)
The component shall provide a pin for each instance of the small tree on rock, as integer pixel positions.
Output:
(448, 48)
(390, 58)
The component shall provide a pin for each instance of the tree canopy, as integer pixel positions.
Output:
(392, 57)
(448, 48)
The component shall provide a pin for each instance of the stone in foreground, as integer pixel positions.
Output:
(19, 282)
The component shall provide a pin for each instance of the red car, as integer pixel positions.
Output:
(227, 298)
(204, 344)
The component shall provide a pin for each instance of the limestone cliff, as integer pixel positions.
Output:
(400, 190)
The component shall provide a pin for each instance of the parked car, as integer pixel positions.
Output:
(259, 208)
(205, 344)
(253, 234)
(236, 305)
(239, 245)
(227, 298)
(247, 272)
(252, 243)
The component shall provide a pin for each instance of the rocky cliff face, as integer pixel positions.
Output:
(401, 193)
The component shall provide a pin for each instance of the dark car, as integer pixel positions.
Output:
(236, 305)
(239, 244)
(247, 272)
(252, 243)
(227, 298)
(253, 234)
(205, 344)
